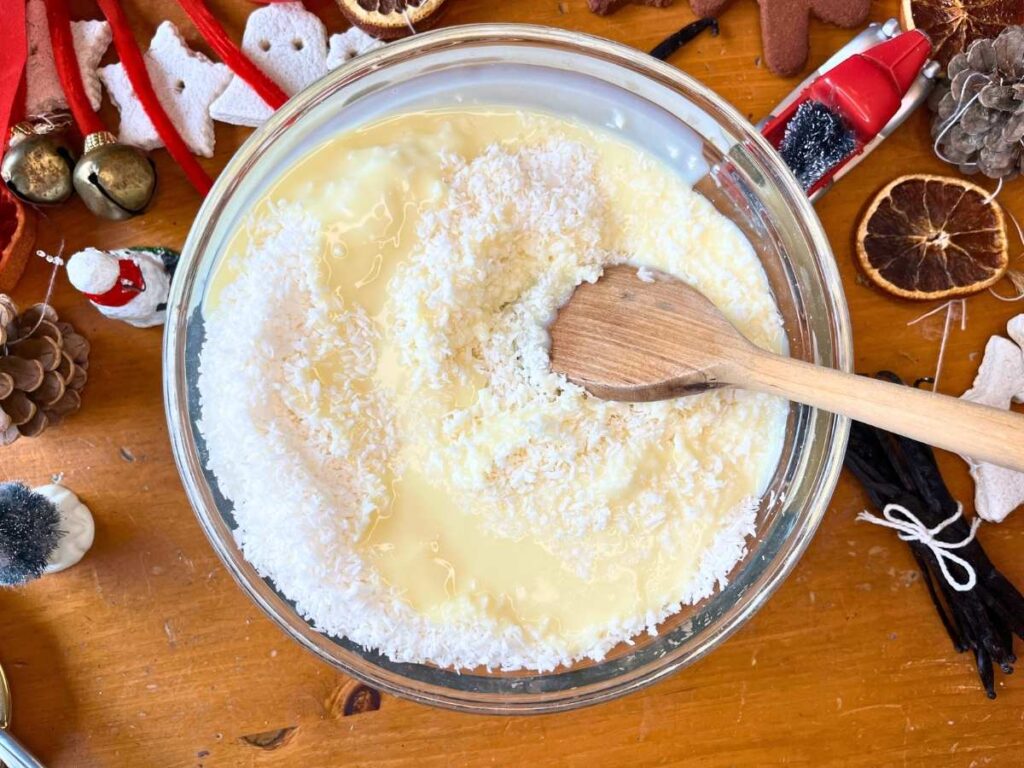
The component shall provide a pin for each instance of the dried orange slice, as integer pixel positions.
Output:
(391, 19)
(930, 237)
(953, 25)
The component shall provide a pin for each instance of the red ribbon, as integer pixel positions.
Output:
(138, 76)
(67, 67)
(232, 55)
(13, 54)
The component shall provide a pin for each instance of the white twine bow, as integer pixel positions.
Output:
(912, 529)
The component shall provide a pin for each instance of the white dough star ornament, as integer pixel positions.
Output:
(186, 84)
(999, 383)
(130, 284)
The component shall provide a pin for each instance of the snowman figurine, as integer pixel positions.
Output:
(129, 284)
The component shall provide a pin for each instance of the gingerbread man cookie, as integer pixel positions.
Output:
(784, 25)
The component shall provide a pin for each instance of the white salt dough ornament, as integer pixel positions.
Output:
(347, 45)
(186, 83)
(289, 44)
(1000, 381)
(76, 523)
(43, 91)
(130, 284)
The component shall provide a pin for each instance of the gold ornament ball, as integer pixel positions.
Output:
(37, 169)
(115, 181)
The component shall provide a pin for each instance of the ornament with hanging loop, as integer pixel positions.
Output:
(39, 161)
(115, 181)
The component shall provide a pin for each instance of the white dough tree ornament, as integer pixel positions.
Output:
(129, 284)
(186, 84)
(999, 383)
(289, 45)
(45, 530)
(43, 91)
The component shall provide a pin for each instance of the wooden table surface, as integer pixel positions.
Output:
(147, 654)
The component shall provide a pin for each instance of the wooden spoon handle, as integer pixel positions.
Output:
(978, 431)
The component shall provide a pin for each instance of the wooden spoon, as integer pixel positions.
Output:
(623, 338)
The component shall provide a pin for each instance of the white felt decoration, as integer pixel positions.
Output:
(349, 44)
(43, 91)
(186, 83)
(1000, 381)
(77, 526)
(289, 44)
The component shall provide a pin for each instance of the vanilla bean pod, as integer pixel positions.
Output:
(898, 470)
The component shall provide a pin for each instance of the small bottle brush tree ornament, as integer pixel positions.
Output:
(130, 284)
(45, 530)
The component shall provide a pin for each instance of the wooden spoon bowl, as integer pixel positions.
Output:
(654, 338)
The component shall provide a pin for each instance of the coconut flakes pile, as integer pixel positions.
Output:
(303, 442)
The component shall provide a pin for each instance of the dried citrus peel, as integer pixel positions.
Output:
(933, 237)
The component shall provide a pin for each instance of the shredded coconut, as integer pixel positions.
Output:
(304, 441)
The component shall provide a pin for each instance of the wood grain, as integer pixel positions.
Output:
(146, 654)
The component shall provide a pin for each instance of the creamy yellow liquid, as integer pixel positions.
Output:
(367, 188)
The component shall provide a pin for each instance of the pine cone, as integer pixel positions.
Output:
(43, 367)
(986, 135)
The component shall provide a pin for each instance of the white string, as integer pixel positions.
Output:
(945, 339)
(957, 114)
(995, 192)
(412, 29)
(1010, 277)
(57, 261)
(955, 117)
(930, 312)
(910, 528)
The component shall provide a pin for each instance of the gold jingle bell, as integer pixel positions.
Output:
(115, 181)
(37, 167)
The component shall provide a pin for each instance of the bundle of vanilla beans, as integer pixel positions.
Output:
(898, 470)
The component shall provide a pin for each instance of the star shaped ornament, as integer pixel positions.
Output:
(999, 383)
(43, 91)
(289, 44)
(186, 83)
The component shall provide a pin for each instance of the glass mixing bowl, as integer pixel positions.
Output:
(669, 114)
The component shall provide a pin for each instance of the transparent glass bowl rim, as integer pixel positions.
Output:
(175, 386)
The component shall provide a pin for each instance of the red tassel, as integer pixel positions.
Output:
(232, 55)
(67, 68)
(138, 76)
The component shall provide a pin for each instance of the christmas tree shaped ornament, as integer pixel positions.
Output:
(45, 530)
(186, 83)
(43, 90)
(43, 368)
(114, 181)
(39, 162)
(131, 284)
